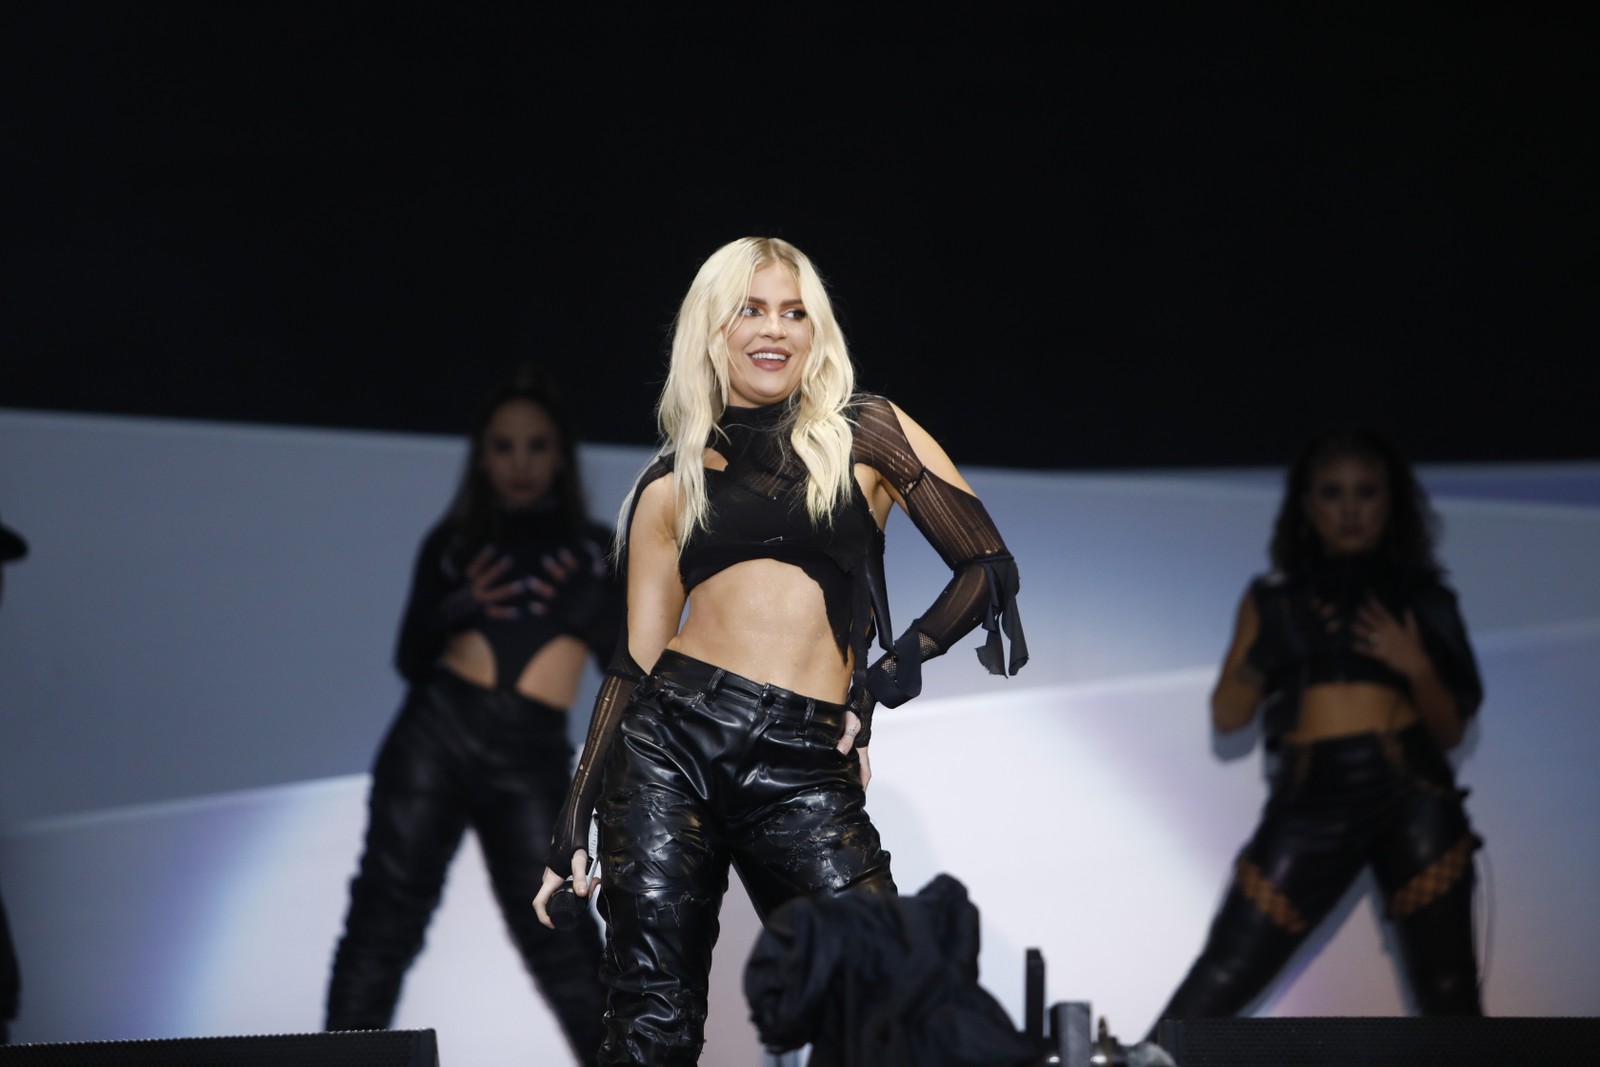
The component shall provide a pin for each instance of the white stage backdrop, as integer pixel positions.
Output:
(194, 676)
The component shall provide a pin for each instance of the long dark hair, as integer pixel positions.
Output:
(475, 509)
(1409, 534)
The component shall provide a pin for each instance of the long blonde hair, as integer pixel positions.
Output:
(696, 391)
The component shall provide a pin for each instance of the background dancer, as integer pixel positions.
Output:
(511, 594)
(1354, 651)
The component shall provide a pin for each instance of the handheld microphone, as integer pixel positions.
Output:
(566, 908)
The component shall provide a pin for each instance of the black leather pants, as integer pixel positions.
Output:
(457, 756)
(710, 768)
(1336, 806)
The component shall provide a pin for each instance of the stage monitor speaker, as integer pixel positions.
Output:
(353, 1048)
(1381, 1042)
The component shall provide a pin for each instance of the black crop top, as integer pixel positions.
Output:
(758, 511)
(585, 603)
(1305, 636)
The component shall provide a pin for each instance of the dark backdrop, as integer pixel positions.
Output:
(1060, 235)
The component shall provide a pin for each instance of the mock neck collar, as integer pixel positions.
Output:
(766, 417)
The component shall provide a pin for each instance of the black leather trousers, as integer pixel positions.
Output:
(1335, 806)
(709, 768)
(457, 756)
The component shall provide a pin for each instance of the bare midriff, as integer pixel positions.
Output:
(1339, 709)
(551, 676)
(766, 620)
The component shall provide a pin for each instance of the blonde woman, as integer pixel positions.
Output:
(737, 732)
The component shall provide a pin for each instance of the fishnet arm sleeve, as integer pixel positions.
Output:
(983, 587)
(572, 823)
(571, 831)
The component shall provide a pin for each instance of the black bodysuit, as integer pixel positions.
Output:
(587, 604)
(758, 511)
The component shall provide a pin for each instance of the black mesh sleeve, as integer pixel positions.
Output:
(572, 822)
(616, 689)
(983, 586)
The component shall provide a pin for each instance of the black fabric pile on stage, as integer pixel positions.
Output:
(879, 980)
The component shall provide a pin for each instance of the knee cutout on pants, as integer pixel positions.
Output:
(1434, 880)
(1259, 890)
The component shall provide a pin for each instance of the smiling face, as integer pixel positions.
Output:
(769, 340)
(521, 453)
(1348, 505)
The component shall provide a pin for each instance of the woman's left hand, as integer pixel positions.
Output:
(577, 577)
(852, 726)
(1392, 641)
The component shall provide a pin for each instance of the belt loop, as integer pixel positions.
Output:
(811, 709)
(715, 683)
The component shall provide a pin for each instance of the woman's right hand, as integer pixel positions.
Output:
(581, 884)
